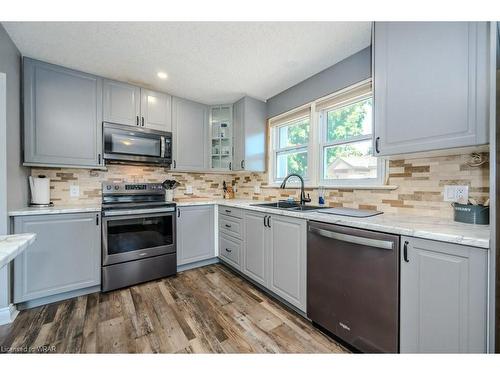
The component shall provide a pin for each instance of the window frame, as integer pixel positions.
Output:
(317, 141)
(324, 143)
(276, 150)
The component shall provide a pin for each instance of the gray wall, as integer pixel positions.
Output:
(351, 70)
(10, 63)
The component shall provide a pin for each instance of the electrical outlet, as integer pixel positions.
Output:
(256, 189)
(456, 193)
(189, 189)
(74, 191)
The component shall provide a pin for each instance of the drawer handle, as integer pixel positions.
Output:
(228, 211)
(228, 226)
(228, 250)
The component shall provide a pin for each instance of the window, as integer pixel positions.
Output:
(329, 143)
(290, 139)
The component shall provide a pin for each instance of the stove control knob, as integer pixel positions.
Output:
(117, 187)
(108, 187)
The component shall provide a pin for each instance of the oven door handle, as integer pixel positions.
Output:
(388, 245)
(137, 212)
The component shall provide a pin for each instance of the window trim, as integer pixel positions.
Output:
(317, 143)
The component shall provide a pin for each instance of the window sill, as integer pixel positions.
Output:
(336, 187)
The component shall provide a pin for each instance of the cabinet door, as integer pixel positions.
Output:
(62, 116)
(287, 274)
(195, 234)
(66, 255)
(255, 247)
(156, 110)
(239, 135)
(430, 85)
(189, 127)
(121, 103)
(443, 298)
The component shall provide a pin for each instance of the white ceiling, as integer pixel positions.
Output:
(210, 62)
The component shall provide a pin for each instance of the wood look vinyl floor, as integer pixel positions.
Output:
(205, 310)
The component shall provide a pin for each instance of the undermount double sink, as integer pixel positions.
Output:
(289, 206)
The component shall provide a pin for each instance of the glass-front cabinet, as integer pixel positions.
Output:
(221, 137)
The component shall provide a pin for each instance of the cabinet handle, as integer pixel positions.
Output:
(174, 164)
(228, 250)
(142, 121)
(229, 165)
(405, 252)
(269, 221)
(377, 149)
(178, 212)
(99, 159)
(265, 217)
(228, 211)
(242, 164)
(228, 226)
(137, 120)
(97, 219)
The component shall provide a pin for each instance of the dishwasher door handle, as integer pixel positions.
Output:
(381, 244)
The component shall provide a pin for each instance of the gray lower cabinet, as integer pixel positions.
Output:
(62, 116)
(190, 134)
(274, 255)
(65, 257)
(249, 135)
(443, 297)
(288, 259)
(430, 85)
(195, 234)
(255, 247)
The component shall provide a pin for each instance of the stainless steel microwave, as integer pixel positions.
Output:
(132, 145)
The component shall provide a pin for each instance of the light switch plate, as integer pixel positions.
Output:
(456, 193)
(189, 189)
(256, 189)
(74, 191)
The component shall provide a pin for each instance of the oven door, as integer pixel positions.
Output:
(139, 145)
(127, 237)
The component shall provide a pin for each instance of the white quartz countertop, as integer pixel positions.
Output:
(28, 211)
(427, 227)
(13, 245)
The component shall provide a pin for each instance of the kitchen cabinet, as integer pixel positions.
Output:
(190, 133)
(430, 86)
(62, 116)
(274, 255)
(443, 297)
(221, 137)
(287, 259)
(65, 257)
(255, 247)
(195, 234)
(134, 106)
(249, 135)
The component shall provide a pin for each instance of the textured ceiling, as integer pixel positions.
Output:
(210, 62)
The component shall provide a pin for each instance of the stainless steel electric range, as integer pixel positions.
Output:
(138, 234)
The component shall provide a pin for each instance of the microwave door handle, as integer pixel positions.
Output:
(162, 147)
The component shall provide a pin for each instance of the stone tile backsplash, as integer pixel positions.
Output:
(420, 185)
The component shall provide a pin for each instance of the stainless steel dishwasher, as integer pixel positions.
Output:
(353, 285)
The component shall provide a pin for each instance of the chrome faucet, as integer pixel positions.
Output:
(303, 198)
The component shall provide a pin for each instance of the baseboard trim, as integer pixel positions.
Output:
(8, 314)
(58, 297)
(198, 264)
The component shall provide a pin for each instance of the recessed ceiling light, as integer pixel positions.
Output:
(162, 75)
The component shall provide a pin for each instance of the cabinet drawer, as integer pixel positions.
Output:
(230, 225)
(230, 250)
(231, 211)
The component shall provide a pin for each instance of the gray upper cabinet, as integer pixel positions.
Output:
(134, 106)
(62, 116)
(65, 257)
(430, 86)
(190, 134)
(122, 103)
(195, 234)
(255, 247)
(156, 110)
(249, 135)
(287, 265)
(443, 297)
